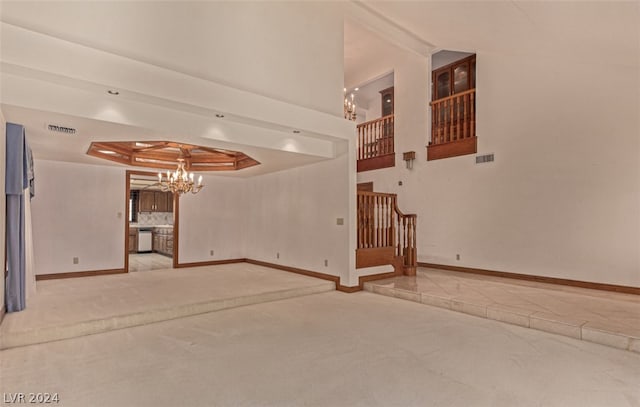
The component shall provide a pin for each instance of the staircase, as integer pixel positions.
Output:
(385, 234)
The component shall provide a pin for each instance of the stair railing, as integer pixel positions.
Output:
(382, 225)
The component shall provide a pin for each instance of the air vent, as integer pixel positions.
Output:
(61, 129)
(486, 158)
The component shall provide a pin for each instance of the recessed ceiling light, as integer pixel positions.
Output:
(109, 152)
(296, 132)
(113, 92)
(219, 115)
(357, 89)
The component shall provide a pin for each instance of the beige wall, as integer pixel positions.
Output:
(294, 213)
(562, 197)
(214, 219)
(78, 211)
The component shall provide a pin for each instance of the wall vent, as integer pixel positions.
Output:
(485, 158)
(61, 129)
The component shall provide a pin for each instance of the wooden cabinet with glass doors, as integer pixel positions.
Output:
(453, 110)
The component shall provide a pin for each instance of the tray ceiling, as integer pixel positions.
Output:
(165, 155)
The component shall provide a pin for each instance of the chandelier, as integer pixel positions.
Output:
(349, 107)
(179, 181)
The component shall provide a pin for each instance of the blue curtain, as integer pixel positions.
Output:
(18, 177)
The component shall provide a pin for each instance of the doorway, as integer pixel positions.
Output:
(150, 225)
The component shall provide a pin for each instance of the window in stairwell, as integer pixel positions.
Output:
(453, 105)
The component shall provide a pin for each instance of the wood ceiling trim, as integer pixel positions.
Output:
(165, 154)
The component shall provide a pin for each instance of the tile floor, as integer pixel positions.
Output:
(328, 349)
(607, 318)
(69, 308)
(149, 261)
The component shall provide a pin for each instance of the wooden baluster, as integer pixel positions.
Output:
(378, 213)
(405, 231)
(361, 224)
(376, 141)
(388, 215)
(374, 223)
(434, 120)
(438, 124)
(359, 155)
(358, 228)
(392, 140)
(437, 134)
(388, 131)
(450, 120)
(385, 136)
(384, 220)
(414, 261)
(361, 131)
(434, 140)
(465, 119)
(458, 123)
(365, 135)
(399, 242)
(472, 106)
(442, 125)
(373, 139)
(365, 141)
(372, 136)
(436, 129)
(371, 221)
(364, 222)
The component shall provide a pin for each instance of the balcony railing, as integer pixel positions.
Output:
(453, 126)
(375, 144)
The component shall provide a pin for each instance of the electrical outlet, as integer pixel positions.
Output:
(457, 257)
(278, 255)
(76, 260)
(326, 263)
(211, 252)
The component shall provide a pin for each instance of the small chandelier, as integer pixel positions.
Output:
(349, 106)
(179, 181)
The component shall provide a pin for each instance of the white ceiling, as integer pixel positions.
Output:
(48, 145)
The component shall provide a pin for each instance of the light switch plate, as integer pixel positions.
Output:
(340, 221)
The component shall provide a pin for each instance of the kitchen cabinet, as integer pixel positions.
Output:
(163, 241)
(155, 201)
(454, 78)
(133, 240)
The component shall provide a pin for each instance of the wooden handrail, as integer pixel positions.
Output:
(453, 118)
(363, 124)
(375, 138)
(381, 224)
(466, 92)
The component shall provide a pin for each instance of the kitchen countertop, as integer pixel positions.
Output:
(137, 226)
